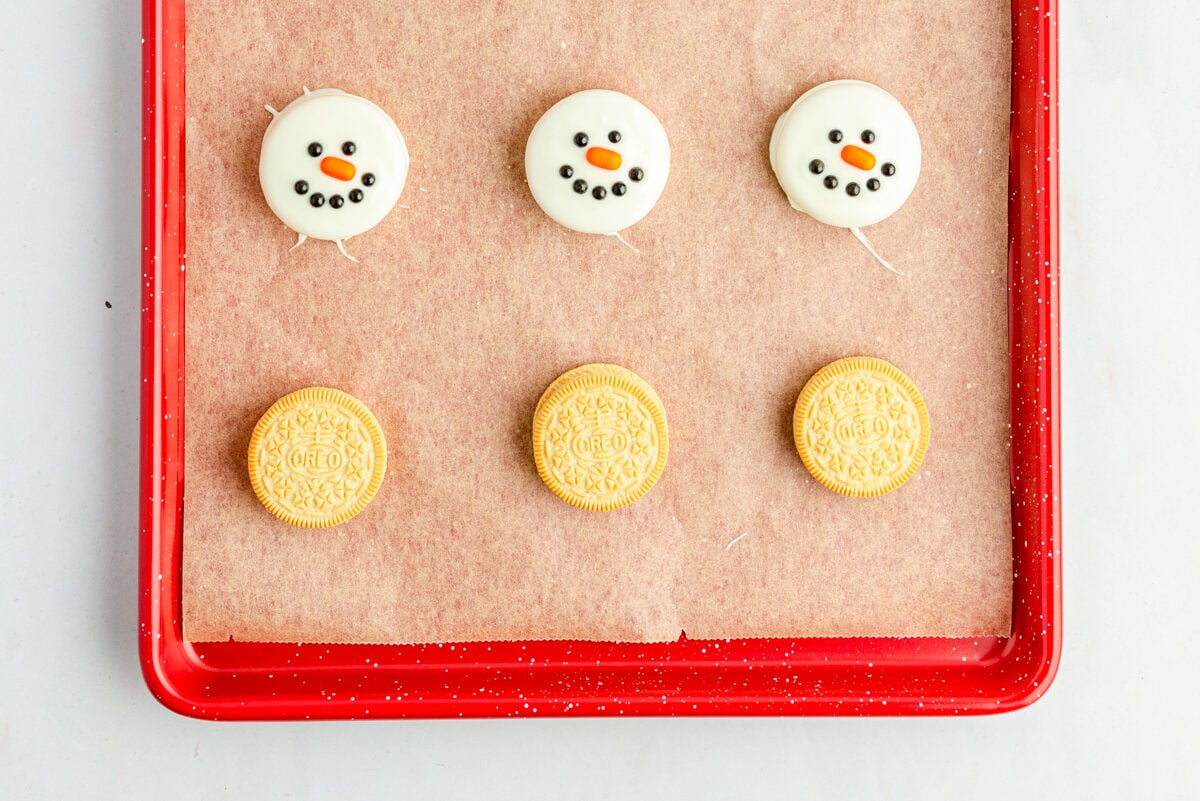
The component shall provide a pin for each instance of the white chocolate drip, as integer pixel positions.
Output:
(861, 237)
(342, 248)
(621, 239)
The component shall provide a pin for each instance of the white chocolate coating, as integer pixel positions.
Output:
(628, 191)
(331, 118)
(802, 136)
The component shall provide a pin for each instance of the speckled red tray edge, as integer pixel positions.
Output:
(802, 676)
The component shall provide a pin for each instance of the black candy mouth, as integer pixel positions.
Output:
(853, 188)
(335, 201)
(600, 192)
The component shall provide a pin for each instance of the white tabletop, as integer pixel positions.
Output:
(1121, 721)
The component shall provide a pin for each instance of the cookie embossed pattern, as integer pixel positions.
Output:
(600, 437)
(861, 427)
(316, 457)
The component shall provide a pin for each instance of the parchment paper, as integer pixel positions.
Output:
(469, 301)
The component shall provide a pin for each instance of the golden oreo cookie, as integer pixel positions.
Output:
(317, 457)
(600, 437)
(861, 426)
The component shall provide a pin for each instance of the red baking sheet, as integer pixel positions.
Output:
(800, 676)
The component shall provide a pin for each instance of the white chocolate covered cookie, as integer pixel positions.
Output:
(332, 165)
(846, 153)
(597, 161)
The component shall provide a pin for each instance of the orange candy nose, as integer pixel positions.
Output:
(337, 168)
(604, 158)
(855, 156)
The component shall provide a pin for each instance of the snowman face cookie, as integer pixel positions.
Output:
(846, 153)
(332, 165)
(597, 161)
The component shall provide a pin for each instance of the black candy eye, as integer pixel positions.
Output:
(301, 187)
(636, 174)
(873, 184)
(337, 201)
(830, 182)
(888, 169)
(580, 186)
(852, 189)
(835, 136)
(599, 192)
(356, 195)
(317, 200)
(565, 171)
(581, 139)
(368, 179)
(614, 136)
(816, 166)
(348, 148)
(618, 189)
(315, 149)
(868, 137)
